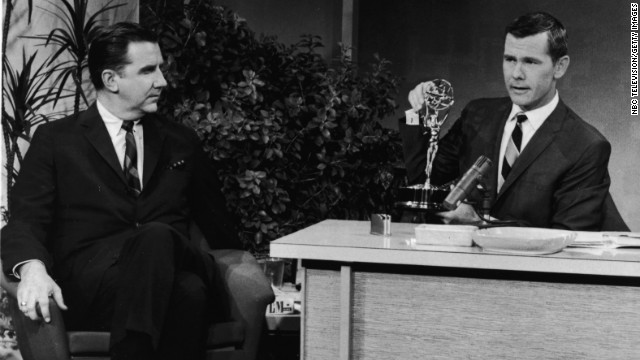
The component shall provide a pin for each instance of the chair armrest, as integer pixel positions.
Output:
(244, 282)
(37, 339)
(11, 287)
(247, 291)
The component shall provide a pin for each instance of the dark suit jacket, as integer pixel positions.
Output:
(71, 207)
(560, 179)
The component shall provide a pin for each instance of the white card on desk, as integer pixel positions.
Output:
(411, 117)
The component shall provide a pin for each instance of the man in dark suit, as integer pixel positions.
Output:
(103, 203)
(549, 166)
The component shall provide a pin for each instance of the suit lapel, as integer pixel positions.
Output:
(153, 140)
(96, 132)
(501, 117)
(543, 137)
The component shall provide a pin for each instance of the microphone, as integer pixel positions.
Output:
(467, 183)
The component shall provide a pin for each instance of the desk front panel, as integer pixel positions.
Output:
(321, 311)
(423, 315)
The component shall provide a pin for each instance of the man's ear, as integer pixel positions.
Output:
(109, 79)
(560, 67)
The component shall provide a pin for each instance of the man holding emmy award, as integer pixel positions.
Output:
(549, 166)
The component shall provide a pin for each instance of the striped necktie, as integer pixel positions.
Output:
(513, 147)
(131, 159)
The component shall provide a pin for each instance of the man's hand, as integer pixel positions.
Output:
(464, 214)
(36, 287)
(416, 96)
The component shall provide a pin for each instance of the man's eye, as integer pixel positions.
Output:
(148, 70)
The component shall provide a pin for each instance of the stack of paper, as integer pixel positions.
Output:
(606, 239)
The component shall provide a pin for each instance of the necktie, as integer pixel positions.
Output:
(131, 159)
(513, 147)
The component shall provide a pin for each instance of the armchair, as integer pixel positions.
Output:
(244, 292)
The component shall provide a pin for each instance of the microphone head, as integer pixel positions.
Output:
(481, 163)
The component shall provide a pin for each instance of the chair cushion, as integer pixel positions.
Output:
(223, 334)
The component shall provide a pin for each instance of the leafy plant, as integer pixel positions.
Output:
(72, 39)
(25, 93)
(295, 140)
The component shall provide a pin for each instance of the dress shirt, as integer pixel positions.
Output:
(535, 119)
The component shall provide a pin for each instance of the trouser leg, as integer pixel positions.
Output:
(146, 268)
(184, 330)
(145, 278)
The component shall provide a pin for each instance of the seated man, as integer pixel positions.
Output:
(549, 165)
(103, 203)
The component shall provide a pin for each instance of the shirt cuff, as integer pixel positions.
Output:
(15, 268)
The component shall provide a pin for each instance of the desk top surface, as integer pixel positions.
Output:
(351, 242)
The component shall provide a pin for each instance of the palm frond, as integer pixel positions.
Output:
(30, 10)
(72, 38)
(26, 92)
(90, 24)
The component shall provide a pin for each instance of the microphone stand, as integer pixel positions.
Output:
(485, 210)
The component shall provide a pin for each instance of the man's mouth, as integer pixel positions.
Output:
(519, 89)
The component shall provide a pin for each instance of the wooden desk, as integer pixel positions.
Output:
(375, 297)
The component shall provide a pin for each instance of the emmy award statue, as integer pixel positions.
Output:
(438, 98)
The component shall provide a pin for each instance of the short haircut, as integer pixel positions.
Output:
(540, 22)
(109, 46)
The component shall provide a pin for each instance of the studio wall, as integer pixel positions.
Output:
(289, 19)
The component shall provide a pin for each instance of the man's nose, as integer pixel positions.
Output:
(160, 81)
(517, 72)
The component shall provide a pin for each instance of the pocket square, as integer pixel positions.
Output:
(176, 165)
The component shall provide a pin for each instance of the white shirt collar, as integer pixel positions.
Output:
(537, 116)
(112, 122)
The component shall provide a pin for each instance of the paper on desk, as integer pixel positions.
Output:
(606, 239)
